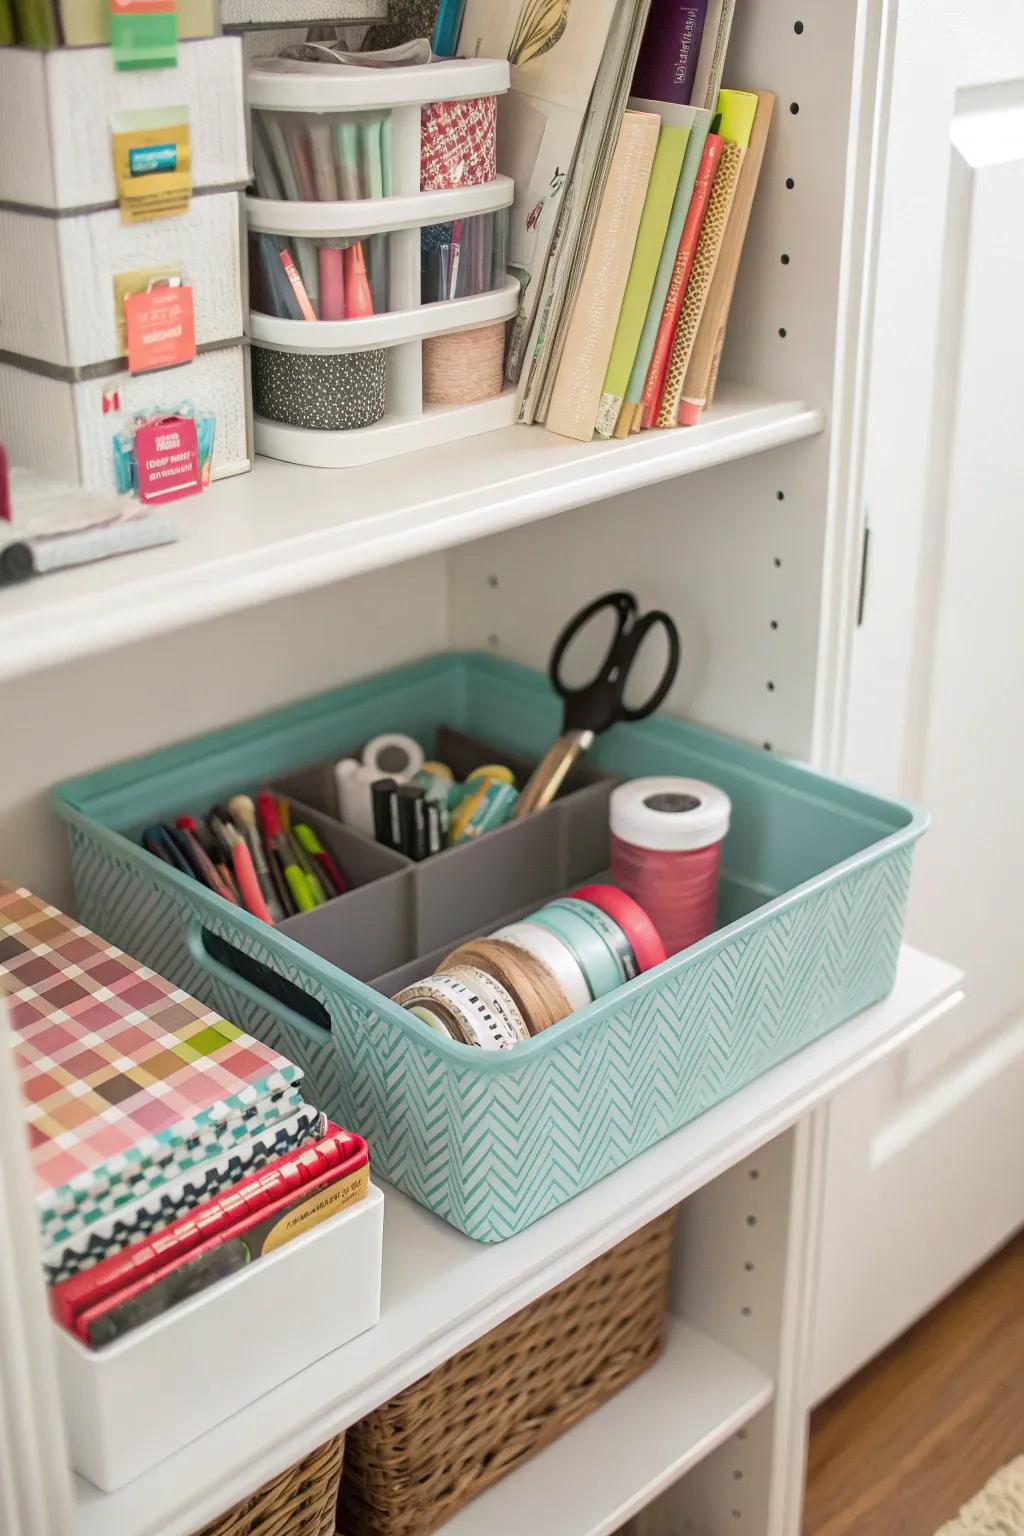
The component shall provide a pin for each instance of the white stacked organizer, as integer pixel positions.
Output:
(407, 423)
(62, 241)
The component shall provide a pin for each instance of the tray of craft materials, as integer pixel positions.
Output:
(186, 1192)
(529, 964)
(378, 232)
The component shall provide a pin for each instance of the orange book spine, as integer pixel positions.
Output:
(655, 380)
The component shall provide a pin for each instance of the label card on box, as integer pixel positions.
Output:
(144, 33)
(167, 456)
(160, 327)
(152, 163)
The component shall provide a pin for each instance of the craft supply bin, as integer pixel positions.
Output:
(55, 113)
(59, 300)
(812, 901)
(415, 1461)
(326, 193)
(64, 426)
(137, 1401)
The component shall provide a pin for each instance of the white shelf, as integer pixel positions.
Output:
(441, 1290)
(615, 1462)
(284, 529)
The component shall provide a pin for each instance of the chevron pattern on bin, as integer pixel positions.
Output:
(492, 1151)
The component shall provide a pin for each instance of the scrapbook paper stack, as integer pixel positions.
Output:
(143, 1107)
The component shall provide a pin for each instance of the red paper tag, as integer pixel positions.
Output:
(161, 328)
(167, 455)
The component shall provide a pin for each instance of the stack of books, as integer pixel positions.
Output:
(639, 173)
(168, 1148)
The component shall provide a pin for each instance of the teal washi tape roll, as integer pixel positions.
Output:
(613, 934)
(595, 958)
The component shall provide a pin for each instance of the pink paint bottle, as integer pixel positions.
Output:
(666, 839)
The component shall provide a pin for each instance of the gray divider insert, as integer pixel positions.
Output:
(401, 911)
(372, 926)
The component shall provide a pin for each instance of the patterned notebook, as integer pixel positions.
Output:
(153, 1210)
(126, 1079)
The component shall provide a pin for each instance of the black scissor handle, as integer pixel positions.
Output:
(596, 705)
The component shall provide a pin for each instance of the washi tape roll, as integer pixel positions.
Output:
(479, 1023)
(355, 798)
(432, 1019)
(608, 928)
(497, 997)
(393, 756)
(534, 987)
(596, 960)
(550, 951)
(631, 918)
(490, 807)
(497, 771)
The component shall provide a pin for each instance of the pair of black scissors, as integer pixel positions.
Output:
(593, 707)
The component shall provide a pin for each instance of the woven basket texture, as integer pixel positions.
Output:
(415, 1461)
(301, 1502)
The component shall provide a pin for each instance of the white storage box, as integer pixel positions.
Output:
(65, 429)
(294, 13)
(59, 303)
(136, 1402)
(55, 109)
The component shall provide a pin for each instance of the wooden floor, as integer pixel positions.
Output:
(902, 1446)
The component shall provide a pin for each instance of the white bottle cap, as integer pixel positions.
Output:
(669, 814)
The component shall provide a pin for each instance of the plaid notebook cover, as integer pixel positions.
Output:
(120, 1071)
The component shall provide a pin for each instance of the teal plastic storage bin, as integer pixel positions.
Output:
(813, 893)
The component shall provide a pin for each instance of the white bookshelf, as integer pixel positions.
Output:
(441, 1291)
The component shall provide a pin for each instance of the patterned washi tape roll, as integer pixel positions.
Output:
(533, 985)
(480, 1025)
(613, 935)
(631, 918)
(552, 952)
(498, 998)
(433, 1020)
(596, 958)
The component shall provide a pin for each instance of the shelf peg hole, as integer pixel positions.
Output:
(766, 745)
(770, 686)
(790, 183)
(492, 581)
(784, 258)
(751, 1221)
(776, 562)
(773, 624)
(749, 1266)
(779, 496)
(492, 640)
(746, 1312)
(782, 332)
(741, 1434)
(755, 1173)
(737, 1475)
(798, 27)
(794, 107)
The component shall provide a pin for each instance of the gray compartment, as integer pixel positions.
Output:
(409, 915)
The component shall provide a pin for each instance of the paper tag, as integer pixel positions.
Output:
(138, 281)
(167, 457)
(160, 327)
(144, 33)
(152, 163)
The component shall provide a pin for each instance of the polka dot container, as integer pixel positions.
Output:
(325, 391)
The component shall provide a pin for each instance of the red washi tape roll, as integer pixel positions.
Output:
(631, 918)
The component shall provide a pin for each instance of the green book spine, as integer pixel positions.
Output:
(37, 23)
(661, 189)
(6, 24)
(701, 122)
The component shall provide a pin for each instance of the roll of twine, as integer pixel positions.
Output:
(459, 369)
(534, 987)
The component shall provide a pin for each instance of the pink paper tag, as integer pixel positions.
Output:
(167, 455)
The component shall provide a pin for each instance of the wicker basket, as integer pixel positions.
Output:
(412, 1463)
(301, 1502)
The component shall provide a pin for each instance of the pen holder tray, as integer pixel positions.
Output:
(399, 164)
(815, 876)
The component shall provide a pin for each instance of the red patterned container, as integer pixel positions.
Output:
(458, 144)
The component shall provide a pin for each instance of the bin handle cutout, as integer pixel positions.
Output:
(259, 983)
